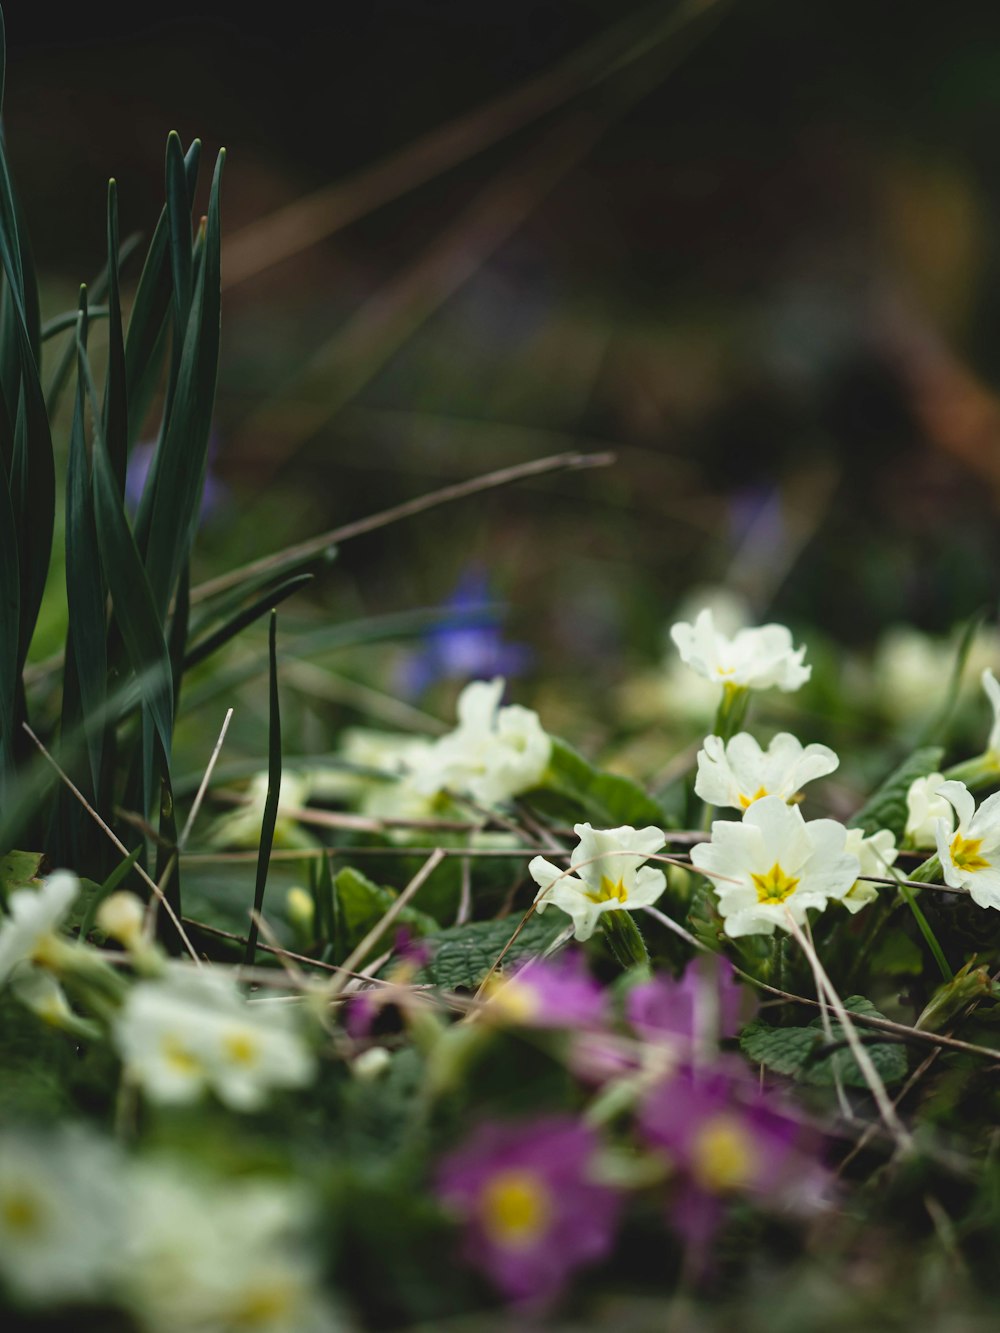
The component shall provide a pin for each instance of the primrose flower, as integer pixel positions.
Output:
(925, 806)
(610, 875)
(875, 854)
(492, 755)
(241, 827)
(531, 1210)
(755, 659)
(970, 856)
(726, 1139)
(61, 1215)
(213, 1255)
(557, 993)
(707, 1001)
(29, 938)
(193, 1030)
(739, 772)
(774, 863)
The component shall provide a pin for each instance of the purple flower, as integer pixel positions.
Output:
(469, 645)
(364, 1006)
(726, 1138)
(559, 993)
(532, 1214)
(705, 1004)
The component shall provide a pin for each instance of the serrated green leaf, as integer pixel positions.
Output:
(886, 807)
(463, 955)
(609, 798)
(797, 1051)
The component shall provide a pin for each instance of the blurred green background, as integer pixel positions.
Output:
(751, 247)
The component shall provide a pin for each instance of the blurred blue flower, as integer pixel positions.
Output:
(469, 645)
(213, 497)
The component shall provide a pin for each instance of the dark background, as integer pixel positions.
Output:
(769, 281)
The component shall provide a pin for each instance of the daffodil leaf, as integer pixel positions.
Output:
(609, 799)
(886, 807)
(464, 954)
(806, 1055)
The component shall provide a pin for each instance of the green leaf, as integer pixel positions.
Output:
(609, 798)
(270, 817)
(937, 729)
(360, 904)
(272, 598)
(115, 384)
(19, 870)
(86, 594)
(145, 340)
(798, 1052)
(463, 955)
(886, 807)
(178, 472)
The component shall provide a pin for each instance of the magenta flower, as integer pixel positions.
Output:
(364, 1007)
(532, 1213)
(556, 993)
(704, 1003)
(726, 1138)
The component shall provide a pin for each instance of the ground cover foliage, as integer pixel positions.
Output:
(456, 1027)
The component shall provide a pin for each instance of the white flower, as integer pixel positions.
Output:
(970, 856)
(28, 937)
(492, 755)
(775, 863)
(753, 658)
(924, 808)
(740, 772)
(241, 827)
(61, 1215)
(220, 1256)
(33, 918)
(193, 1030)
(992, 687)
(610, 875)
(875, 855)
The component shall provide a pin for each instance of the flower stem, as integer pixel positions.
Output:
(625, 939)
(732, 711)
(982, 771)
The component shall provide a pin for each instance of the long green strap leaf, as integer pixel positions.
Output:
(273, 789)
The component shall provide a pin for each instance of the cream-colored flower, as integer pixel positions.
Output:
(875, 854)
(739, 772)
(193, 1031)
(33, 920)
(774, 863)
(241, 827)
(970, 854)
(606, 874)
(492, 755)
(754, 659)
(924, 808)
(61, 1215)
(207, 1256)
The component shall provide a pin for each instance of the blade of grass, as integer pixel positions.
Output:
(274, 597)
(273, 790)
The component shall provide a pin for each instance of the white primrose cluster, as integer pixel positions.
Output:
(180, 1029)
(81, 1223)
(768, 869)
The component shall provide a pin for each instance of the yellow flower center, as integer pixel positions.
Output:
(263, 1305)
(610, 889)
(747, 801)
(774, 886)
(965, 853)
(177, 1055)
(515, 1208)
(722, 1155)
(511, 1000)
(21, 1214)
(241, 1048)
